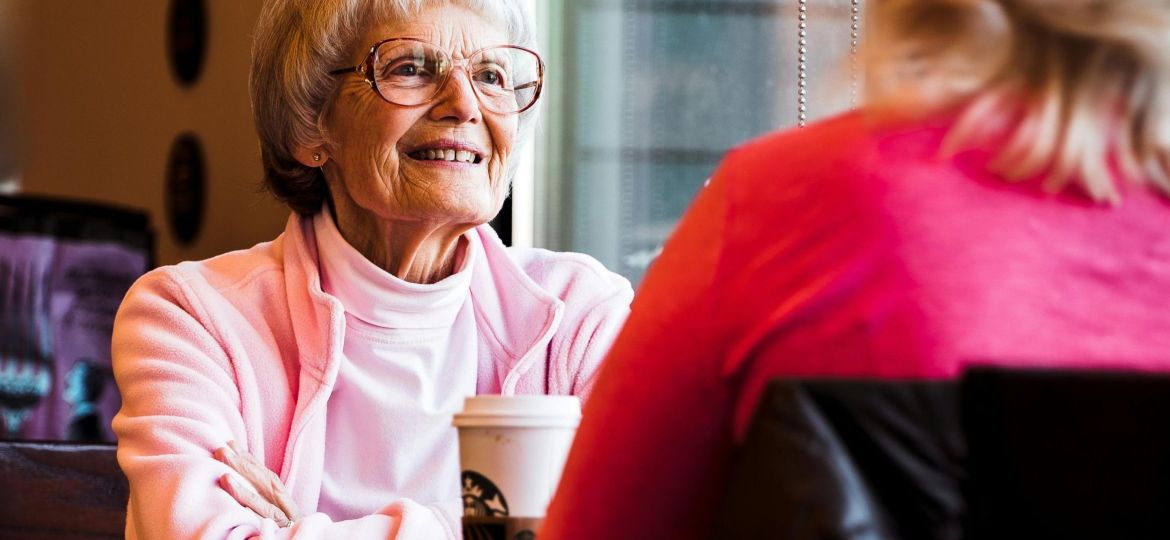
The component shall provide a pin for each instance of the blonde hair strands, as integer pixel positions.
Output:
(1086, 83)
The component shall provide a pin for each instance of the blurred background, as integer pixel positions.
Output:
(644, 97)
(93, 108)
(126, 142)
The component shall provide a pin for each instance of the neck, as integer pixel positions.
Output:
(414, 251)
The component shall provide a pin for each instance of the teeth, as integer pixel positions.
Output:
(464, 156)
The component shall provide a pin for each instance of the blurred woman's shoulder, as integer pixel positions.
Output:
(841, 129)
(852, 139)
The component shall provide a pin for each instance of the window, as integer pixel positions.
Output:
(645, 97)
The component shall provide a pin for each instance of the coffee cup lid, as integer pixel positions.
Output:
(519, 411)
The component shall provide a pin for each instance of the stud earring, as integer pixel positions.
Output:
(316, 157)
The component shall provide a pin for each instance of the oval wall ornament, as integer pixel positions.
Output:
(187, 39)
(185, 188)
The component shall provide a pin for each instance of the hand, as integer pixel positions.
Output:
(263, 494)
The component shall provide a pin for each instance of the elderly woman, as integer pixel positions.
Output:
(335, 355)
(1004, 198)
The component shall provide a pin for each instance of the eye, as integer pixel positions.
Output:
(405, 70)
(408, 71)
(491, 75)
(404, 67)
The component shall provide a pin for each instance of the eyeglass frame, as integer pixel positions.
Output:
(366, 70)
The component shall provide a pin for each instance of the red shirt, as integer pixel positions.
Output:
(845, 250)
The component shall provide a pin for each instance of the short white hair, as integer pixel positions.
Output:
(296, 44)
(1087, 82)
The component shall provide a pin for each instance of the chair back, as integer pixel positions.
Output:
(999, 454)
(848, 459)
(61, 491)
(1067, 454)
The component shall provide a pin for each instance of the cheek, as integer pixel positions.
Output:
(503, 141)
(381, 136)
(370, 131)
(503, 133)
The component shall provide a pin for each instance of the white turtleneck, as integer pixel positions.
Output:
(409, 359)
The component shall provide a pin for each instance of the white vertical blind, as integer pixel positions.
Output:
(524, 184)
(645, 97)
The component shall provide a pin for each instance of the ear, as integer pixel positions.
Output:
(311, 156)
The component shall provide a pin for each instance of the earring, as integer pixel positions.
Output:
(316, 157)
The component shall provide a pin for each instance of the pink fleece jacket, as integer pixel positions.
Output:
(246, 347)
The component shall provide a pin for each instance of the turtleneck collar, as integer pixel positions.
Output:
(380, 298)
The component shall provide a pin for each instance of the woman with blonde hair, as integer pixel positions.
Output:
(1002, 198)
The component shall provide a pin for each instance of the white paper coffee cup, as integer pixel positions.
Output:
(512, 450)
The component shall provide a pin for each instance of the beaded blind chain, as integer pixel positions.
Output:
(802, 58)
(801, 66)
(854, 35)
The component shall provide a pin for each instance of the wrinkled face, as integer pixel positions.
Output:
(394, 162)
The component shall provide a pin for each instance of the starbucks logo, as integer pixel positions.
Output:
(481, 498)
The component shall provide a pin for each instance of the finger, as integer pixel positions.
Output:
(253, 501)
(243, 463)
(225, 455)
(233, 456)
(246, 496)
(286, 503)
(261, 478)
(273, 490)
(242, 457)
(246, 457)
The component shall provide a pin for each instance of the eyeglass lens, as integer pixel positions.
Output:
(411, 73)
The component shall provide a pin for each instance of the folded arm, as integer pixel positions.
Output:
(181, 401)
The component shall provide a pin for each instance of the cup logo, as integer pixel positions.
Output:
(481, 498)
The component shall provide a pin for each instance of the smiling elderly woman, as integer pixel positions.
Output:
(335, 355)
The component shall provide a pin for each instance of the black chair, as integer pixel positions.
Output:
(61, 491)
(999, 454)
(849, 459)
(1067, 454)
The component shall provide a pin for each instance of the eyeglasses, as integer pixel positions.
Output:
(404, 71)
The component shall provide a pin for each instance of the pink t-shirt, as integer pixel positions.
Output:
(846, 250)
(408, 360)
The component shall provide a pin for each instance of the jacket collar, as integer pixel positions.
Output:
(520, 315)
(515, 315)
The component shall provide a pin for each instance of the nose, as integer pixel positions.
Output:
(457, 101)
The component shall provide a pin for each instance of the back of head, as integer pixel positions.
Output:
(1080, 89)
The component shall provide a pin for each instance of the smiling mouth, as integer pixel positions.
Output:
(446, 154)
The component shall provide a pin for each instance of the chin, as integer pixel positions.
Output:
(473, 215)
